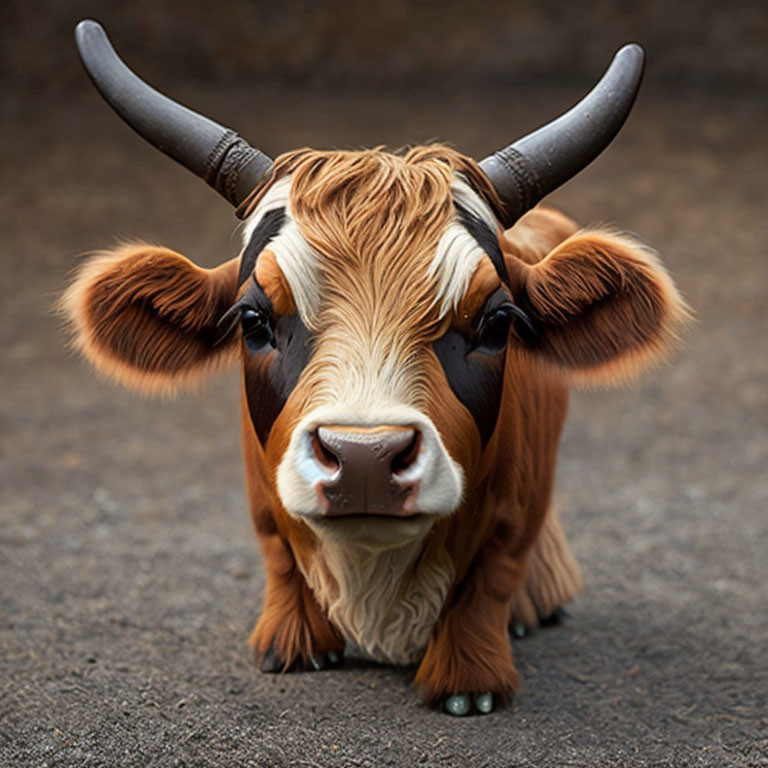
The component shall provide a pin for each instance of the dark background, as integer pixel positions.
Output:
(399, 44)
(129, 574)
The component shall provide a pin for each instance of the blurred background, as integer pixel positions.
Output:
(398, 44)
(129, 575)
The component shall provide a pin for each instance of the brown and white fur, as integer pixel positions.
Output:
(375, 265)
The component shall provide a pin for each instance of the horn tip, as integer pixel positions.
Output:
(88, 27)
(632, 52)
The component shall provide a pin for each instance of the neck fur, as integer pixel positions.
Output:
(384, 602)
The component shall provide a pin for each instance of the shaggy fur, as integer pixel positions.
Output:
(372, 261)
(605, 306)
(147, 317)
(552, 576)
(384, 602)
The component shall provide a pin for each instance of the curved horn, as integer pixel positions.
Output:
(215, 153)
(530, 168)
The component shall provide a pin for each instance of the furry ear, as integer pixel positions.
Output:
(146, 316)
(603, 306)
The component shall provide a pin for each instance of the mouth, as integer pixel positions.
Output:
(371, 530)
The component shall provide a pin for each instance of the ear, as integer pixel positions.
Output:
(146, 316)
(603, 306)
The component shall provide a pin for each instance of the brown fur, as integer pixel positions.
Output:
(604, 307)
(274, 284)
(535, 234)
(484, 282)
(291, 623)
(491, 536)
(146, 316)
(552, 576)
(375, 219)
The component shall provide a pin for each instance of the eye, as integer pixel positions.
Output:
(257, 329)
(493, 332)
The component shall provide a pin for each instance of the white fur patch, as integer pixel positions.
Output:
(296, 259)
(453, 265)
(299, 265)
(467, 198)
(458, 253)
(384, 603)
(278, 196)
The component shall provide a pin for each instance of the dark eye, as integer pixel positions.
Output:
(257, 329)
(493, 332)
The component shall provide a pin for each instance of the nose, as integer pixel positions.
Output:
(371, 471)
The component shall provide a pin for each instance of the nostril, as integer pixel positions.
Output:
(405, 458)
(324, 455)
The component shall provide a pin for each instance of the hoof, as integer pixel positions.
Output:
(519, 630)
(457, 705)
(558, 616)
(461, 704)
(273, 663)
(484, 703)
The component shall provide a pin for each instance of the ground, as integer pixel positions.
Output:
(129, 574)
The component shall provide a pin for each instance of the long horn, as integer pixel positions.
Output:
(215, 153)
(530, 168)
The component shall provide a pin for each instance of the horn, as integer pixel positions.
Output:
(532, 167)
(215, 153)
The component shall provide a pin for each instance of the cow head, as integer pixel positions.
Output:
(375, 305)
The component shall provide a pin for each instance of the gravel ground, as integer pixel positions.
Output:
(129, 575)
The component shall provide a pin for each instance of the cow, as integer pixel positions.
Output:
(408, 326)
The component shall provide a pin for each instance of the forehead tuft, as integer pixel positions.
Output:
(376, 227)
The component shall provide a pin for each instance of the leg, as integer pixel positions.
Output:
(469, 657)
(551, 578)
(292, 633)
